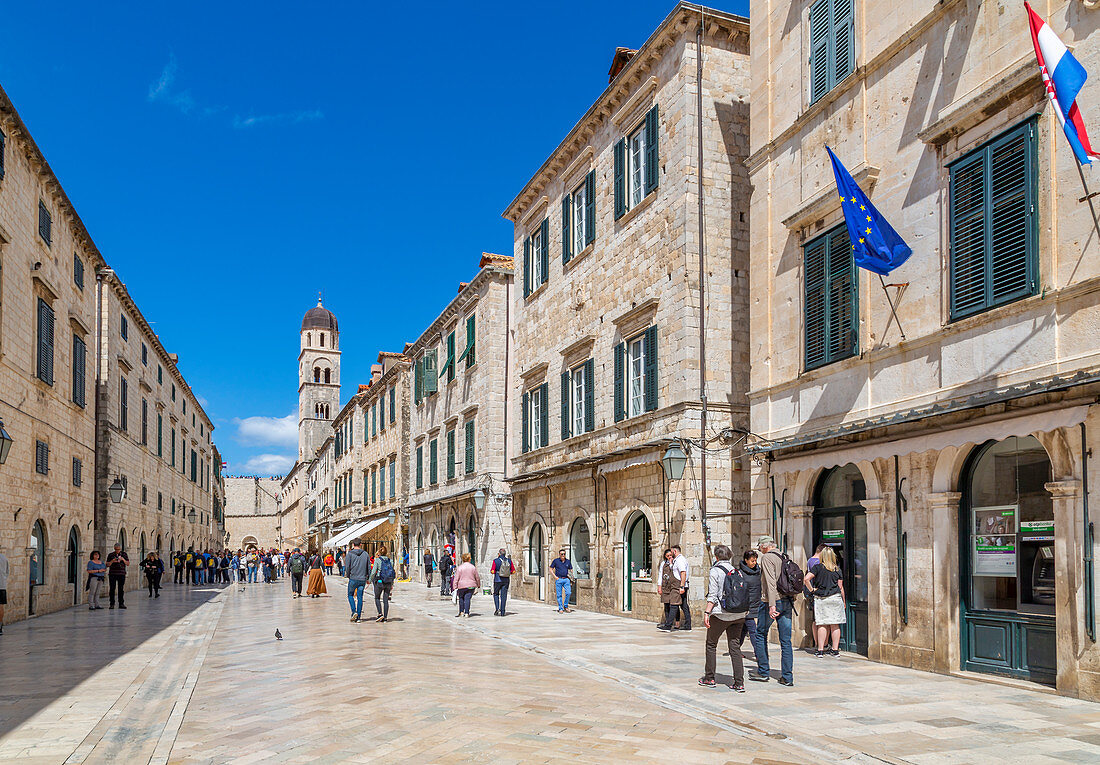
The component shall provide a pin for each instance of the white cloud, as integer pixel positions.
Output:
(267, 431)
(163, 90)
(268, 464)
(294, 118)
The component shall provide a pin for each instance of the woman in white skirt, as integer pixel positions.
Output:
(826, 581)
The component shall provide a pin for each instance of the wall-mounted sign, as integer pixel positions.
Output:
(994, 545)
(1036, 531)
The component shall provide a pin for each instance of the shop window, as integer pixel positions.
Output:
(579, 552)
(38, 554)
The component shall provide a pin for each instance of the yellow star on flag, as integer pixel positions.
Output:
(861, 240)
(868, 232)
(853, 200)
(861, 207)
(868, 218)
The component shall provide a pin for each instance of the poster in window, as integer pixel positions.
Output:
(994, 541)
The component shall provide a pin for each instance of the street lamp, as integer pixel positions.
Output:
(117, 490)
(392, 517)
(674, 463)
(479, 499)
(191, 515)
(5, 443)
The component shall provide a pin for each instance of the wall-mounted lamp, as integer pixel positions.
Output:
(5, 443)
(117, 490)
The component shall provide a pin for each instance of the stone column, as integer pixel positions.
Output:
(1068, 591)
(945, 580)
(873, 510)
(800, 537)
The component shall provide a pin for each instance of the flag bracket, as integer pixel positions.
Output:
(900, 286)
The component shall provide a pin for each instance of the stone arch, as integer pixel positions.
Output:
(947, 474)
(626, 513)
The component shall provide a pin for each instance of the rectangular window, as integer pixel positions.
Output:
(433, 461)
(470, 452)
(80, 363)
(160, 502)
(451, 456)
(174, 506)
(420, 466)
(536, 417)
(45, 223)
(635, 377)
(160, 435)
(160, 375)
(635, 172)
(469, 353)
(393, 404)
(382, 483)
(994, 226)
(382, 412)
(393, 477)
(449, 367)
(537, 275)
(374, 420)
(831, 299)
(579, 395)
(173, 447)
(636, 159)
(123, 403)
(41, 457)
(832, 45)
(174, 398)
(45, 342)
(144, 355)
(536, 258)
(578, 218)
(144, 494)
(194, 466)
(78, 272)
(78, 470)
(124, 328)
(144, 422)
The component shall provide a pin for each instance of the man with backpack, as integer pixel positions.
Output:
(177, 567)
(502, 569)
(781, 582)
(446, 568)
(383, 575)
(724, 612)
(357, 567)
(429, 566)
(297, 566)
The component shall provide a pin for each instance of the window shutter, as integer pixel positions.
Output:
(566, 253)
(819, 49)
(564, 406)
(382, 484)
(842, 298)
(160, 435)
(652, 150)
(42, 457)
(544, 411)
(471, 341)
(433, 462)
(80, 353)
(544, 248)
(381, 415)
(620, 382)
(420, 466)
(431, 373)
(393, 478)
(620, 178)
(393, 405)
(815, 304)
(589, 396)
(651, 368)
(469, 453)
(527, 266)
(45, 341)
(844, 33)
(450, 356)
(45, 225)
(1009, 210)
(525, 427)
(416, 381)
(590, 207)
(450, 454)
(2, 145)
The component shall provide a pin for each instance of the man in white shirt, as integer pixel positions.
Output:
(680, 569)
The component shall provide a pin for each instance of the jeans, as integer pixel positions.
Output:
(748, 632)
(251, 574)
(564, 588)
(732, 628)
(296, 582)
(382, 598)
(465, 597)
(355, 595)
(764, 625)
(500, 595)
(328, 570)
(444, 584)
(117, 583)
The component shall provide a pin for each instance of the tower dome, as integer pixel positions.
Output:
(319, 317)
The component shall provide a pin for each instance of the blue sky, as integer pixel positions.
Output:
(232, 159)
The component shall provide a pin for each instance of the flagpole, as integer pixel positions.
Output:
(891, 302)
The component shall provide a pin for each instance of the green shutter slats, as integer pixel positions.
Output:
(471, 341)
(417, 373)
(45, 341)
(451, 455)
(620, 178)
(819, 49)
(831, 304)
(815, 303)
(45, 224)
(525, 424)
(651, 369)
(544, 412)
(1009, 206)
(544, 249)
(393, 478)
(469, 453)
(841, 311)
(433, 462)
(652, 150)
(566, 252)
(431, 375)
(843, 37)
(420, 467)
(527, 266)
(564, 406)
(80, 355)
(589, 396)
(393, 405)
(590, 207)
(620, 382)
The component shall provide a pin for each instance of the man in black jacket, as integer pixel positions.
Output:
(429, 566)
(751, 571)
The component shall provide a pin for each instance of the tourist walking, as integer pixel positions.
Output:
(429, 567)
(466, 580)
(3, 588)
(330, 561)
(242, 571)
(117, 563)
(177, 567)
(825, 580)
(339, 557)
(724, 614)
(153, 569)
(563, 582)
(668, 588)
(446, 568)
(404, 564)
(296, 564)
(253, 560)
(502, 569)
(777, 608)
(316, 587)
(357, 565)
(97, 570)
(223, 569)
(382, 574)
(680, 569)
(751, 571)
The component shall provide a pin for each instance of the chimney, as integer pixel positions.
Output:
(363, 387)
(619, 61)
(375, 372)
(174, 358)
(462, 286)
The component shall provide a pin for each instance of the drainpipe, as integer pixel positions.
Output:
(1090, 584)
(702, 289)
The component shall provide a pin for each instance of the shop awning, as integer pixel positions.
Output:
(355, 530)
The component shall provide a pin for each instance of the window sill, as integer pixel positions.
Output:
(634, 211)
(536, 291)
(579, 256)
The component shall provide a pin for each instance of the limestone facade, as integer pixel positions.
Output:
(605, 330)
(457, 446)
(902, 448)
(252, 513)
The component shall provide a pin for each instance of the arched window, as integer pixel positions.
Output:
(144, 549)
(122, 539)
(328, 376)
(158, 547)
(38, 554)
(74, 555)
(534, 550)
(317, 374)
(309, 338)
(578, 548)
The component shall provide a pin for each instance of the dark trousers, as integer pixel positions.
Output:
(118, 582)
(382, 598)
(732, 629)
(296, 582)
(671, 609)
(444, 584)
(500, 596)
(193, 575)
(428, 573)
(154, 582)
(685, 612)
(179, 575)
(465, 598)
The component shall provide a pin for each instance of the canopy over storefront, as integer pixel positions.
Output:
(355, 530)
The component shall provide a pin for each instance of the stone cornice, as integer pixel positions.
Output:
(459, 305)
(827, 201)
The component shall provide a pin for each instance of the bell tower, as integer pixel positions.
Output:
(318, 379)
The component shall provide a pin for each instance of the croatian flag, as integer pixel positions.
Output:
(1063, 77)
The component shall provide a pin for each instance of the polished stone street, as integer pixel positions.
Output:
(197, 676)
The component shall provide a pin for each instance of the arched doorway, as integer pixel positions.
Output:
(1006, 561)
(637, 552)
(144, 548)
(122, 540)
(840, 521)
(37, 562)
(579, 554)
(535, 545)
(74, 564)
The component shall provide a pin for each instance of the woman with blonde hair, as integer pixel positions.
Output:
(827, 582)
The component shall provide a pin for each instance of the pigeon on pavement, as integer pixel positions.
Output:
(278, 635)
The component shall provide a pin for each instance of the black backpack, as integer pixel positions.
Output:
(790, 582)
(735, 591)
(386, 574)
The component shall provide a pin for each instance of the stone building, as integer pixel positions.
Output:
(606, 328)
(252, 513)
(948, 465)
(457, 449)
(60, 312)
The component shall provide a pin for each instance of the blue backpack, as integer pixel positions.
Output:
(386, 574)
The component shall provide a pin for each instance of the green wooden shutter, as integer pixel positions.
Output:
(652, 150)
(842, 297)
(843, 39)
(450, 368)
(382, 412)
(620, 178)
(45, 341)
(433, 461)
(566, 251)
(393, 478)
(814, 256)
(469, 452)
(620, 382)
(527, 266)
(160, 435)
(382, 484)
(451, 454)
(80, 355)
(590, 207)
(544, 249)
(420, 467)
(651, 367)
(374, 486)
(431, 372)
(819, 49)
(564, 406)
(544, 411)
(417, 373)
(393, 405)
(589, 396)
(525, 414)
(471, 341)
(1010, 209)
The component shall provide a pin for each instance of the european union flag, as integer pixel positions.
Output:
(875, 244)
